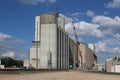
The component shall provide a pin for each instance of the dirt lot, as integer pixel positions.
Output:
(64, 75)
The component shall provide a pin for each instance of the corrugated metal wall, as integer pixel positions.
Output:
(62, 50)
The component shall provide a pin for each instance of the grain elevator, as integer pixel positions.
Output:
(50, 49)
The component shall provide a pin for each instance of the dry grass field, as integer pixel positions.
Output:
(60, 75)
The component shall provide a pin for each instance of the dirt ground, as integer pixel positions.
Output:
(63, 75)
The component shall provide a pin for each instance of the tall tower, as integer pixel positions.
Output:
(51, 42)
(37, 28)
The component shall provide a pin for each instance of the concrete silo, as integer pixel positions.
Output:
(50, 50)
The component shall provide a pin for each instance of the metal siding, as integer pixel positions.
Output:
(61, 50)
(58, 64)
(68, 52)
(57, 48)
(65, 51)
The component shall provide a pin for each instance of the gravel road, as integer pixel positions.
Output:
(60, 75)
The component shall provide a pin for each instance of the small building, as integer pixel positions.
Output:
(99, 67)
(26, 63)
(1, 66)
(113, 65)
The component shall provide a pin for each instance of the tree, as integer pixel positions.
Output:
(10, 62)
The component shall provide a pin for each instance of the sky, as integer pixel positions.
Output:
(96, 21)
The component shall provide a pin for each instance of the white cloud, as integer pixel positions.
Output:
(115, 50)
(114, 4)
(109, 45)
(100, 26)
(89, 29)
(77, 14)
(84, 28)
(108, 23)
(113, 41)
(35, 2)
(90, 13)
(117, 36)
(4, 37)
(9, 46)
(101, 47)
(9, 54)
(103, 20)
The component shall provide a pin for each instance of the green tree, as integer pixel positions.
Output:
(10, 62)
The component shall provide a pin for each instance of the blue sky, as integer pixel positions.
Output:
(96, 21)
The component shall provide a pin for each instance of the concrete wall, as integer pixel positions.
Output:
(34, 59)
(48, 18)
(26, 63)
(87, 56)
(37, 28)
(110, 66)
(48, 43)
(61, 23)
(73, 54)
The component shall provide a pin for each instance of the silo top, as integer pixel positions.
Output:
(48, 18)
